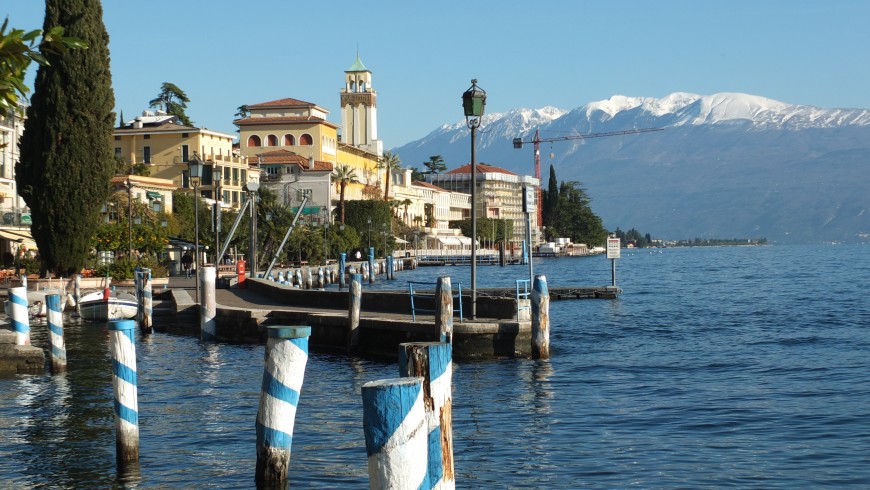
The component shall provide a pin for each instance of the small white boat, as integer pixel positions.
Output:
(120, 306)
(37, 305)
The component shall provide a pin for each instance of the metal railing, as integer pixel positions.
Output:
(430, 293)
(523, 292)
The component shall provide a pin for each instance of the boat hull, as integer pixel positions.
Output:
(120, 306)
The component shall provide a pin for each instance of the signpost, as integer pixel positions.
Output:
(613, 250)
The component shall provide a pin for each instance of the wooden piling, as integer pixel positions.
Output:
(147, 325)
(208, 307)
(286, 358)
(55, 333)
(125, 387)
(390, 275)
(372, 269)
(20, 316)
(77, 289)
(342, 265)
(394, 423)
(444, 309)
(540, 318)
(433, 362)
(354, 303)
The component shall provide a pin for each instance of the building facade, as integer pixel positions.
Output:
(13, 209)
(291, 177)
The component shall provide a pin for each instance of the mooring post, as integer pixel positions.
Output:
(372, 269)
(433, 361)
(125, 387)
(55, 333)
(147, 325)
(540, 318)
(208, 308)
(354, 303)
(321, 283)
(286, 357)
(77, 288)
(444, 309)
(390, 276)
(20, 315)
(309, 279)
(394, 423)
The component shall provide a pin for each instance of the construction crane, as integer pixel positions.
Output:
(537, 140)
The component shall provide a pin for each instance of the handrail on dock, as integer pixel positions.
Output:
(523, 292)
(419, 294)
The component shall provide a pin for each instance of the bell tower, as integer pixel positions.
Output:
(359, 112)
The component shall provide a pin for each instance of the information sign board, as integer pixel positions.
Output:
(613, 248)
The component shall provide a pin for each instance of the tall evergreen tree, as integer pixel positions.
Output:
(66, 156)
(435, 164)
(550, 204)
(173, 100)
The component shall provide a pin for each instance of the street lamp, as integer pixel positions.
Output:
(326, 243)
(194, 168)
(473, 102)
(252, 188)
(216, 213)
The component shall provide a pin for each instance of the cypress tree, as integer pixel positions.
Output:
(66, 157)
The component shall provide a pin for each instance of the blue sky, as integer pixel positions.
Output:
(530, 54)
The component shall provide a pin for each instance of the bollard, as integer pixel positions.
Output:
(444, 309)
(299, 278)
(20, 315)
(342, 264)
(140, 300)
(78, 293)
(433, 361)
(372, 270)
(286, 357)
(320, 278)
(354, 303)
(364, 267)
(147, 325)
(540, 318)
(208, 308)
(55, 333)
(390, 268)
(124, 384)
(309, 278)
(395, 431)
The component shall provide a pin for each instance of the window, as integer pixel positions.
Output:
(185, 153)
(117, 152)
(306, 140)
(271, 140)
(146, 154)
(236, 176)
(117, 138)
(254, 140)
(147, 136)
(289, 140)
(244, 175)
(184, 135)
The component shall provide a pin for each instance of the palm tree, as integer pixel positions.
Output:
(407, 202)
(343, 175)
(390, 163)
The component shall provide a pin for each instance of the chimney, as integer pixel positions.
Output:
(310, 163)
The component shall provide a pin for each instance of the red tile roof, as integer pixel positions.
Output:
(282, 119)
(285, 157)
(428, 185)
(480, 168)
(286, 102)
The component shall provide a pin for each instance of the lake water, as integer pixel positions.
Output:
(743, 367)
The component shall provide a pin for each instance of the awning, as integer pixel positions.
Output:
(448, 240)
(307, 209)
(153, 195)
(15, 235)
(399, 240)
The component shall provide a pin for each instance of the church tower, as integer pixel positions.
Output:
(359, 112)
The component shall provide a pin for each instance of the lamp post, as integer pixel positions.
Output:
(216, 213)
(252, 188)
(129, 216)
(473, 102)
(194, 168)
(326, 242)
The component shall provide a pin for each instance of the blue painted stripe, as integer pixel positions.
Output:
(20, 327)
(18, 300)
(124, 372)
(56, 329)
(266, 436)
(122, 324)
(435, 465)
(384, 409)
(52, 302)
(126, 413)
(207, 336)
(58, 353)
(279, 390)
(290, 333)
(440, 356)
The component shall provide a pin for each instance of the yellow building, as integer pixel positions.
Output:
(164, 146)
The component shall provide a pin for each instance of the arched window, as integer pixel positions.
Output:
(271, 140)
(352, 86)
(362, 86)
(289, 140)
(254, 140)
(306, 140)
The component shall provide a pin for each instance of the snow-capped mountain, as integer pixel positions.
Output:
(725, 165)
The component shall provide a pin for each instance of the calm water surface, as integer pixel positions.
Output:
(744, 367)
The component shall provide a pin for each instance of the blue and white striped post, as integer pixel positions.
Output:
(20, 316)
(208, 308)
(394, 422)
(320, 279)
(299, 278)
(434, 362)
(540, 318)
(309, 278)
(372, 269)
(525, 259)
(137, 289)
(286, 357)
(55, 333)
(342, 265)
(78, 293)
(147, 324)
(390, 268)
(125, 387)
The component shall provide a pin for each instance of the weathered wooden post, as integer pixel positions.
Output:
(540, 318)
(55, 333)
(208, 308)
(394, 423)
(433, 361)
(286, 357)
(390, 276)
(20, 315)
(354, 303)
(77, 288)
(137, 288)
(444, 309)
(147, 325)
(125, 387)
(372, 269)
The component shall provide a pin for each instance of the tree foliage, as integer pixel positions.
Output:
(435, 164)
(390, 163)
(343, 175)
(173, 100)
(567, 213)
(66, 158)
(357, 216)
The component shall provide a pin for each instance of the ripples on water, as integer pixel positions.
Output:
(728, 367)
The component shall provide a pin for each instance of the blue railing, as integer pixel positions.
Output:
(419, 294)
(523, 292)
